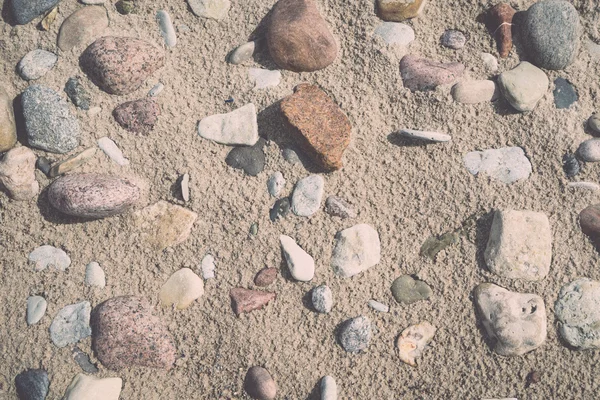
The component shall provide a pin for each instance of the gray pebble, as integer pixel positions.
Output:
(249, 159)
(453, 39)
(94, 275)
(307, 195)
(71, 324)
(242, 53)
(589, 150)
(32, 384)
(564, 93)
(377, 306)
(280, 209)
(36, 64)
(338, 207)
(355, 334)
(43, 165)
(36, 309)
(290, 156)
(594, 122)
(166, 28)
(26, 11)
(408, 290)
(77, 93)
(276, 184)
(322, 299)
(83, 360)
(156, 89)
(570, 165)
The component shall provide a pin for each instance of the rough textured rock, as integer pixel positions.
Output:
(524, 86)
(49, 256)
(299, 262)
(213, 9)
(92, 195)
(356, 249)
(8, 128)
(318, 125)
(578, 312)
(413, 340)
(245, 300)
(83, 360)
(355, 334)
(32, 384)
(36, 64)
(276, 184)
(338, 207)
(408, 290)
(137, 116)
(507, 164)
(265, 276)
(82, 27)
(589, 220)
(307, 195)
(514, 322)
(259, 384)
(322, 299)
(250, 159)
(499, 22)
(298, 37)
(181, 289)
(126, 333)
(71, 324)
(453, 39)
(421, 74)
(25, 11)
(473, 92)
(120, 65)
(589, 150)
(280, 209)
(237, 128)
(17, 173)
(399, 10)
(36, 309)
(77, 93)
(164, 224)
(84, 387)
(520, 245)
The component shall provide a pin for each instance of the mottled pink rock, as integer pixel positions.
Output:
(245, 300)
(265, 276)
(138, 116)
(119, 65)
(423, 74)
(126, 333)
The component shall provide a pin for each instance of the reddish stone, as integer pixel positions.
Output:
(318, 124)
(265, 276)
(500, 24)
(589, 220)
(245, 300)
(126, 333)
(138, 116)
(423, 74)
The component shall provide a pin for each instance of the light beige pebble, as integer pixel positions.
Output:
(71, 163)
(182, 288)
(591, 186)
(594, 122)
(17, 173)
(413, 340)
(473, 92)
(85, 387)
(164, 225)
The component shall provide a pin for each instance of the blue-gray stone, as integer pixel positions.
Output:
(26, 11)
(32, 384)
(564, 93)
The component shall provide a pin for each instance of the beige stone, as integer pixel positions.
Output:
(85, 387)
(399, 10)
(413, 341)
(8, 128)
(82, 27)
(181, 289)
(72, 162)
(164, 225)
(17, 173)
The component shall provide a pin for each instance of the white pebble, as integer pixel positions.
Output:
(112, 151)
(36, 308)
(166, 28)
(242, 53)
(185, 187)
(307, 196)
(591, 186)
(395, 33)
(208, 267)
(589, 150)
(94, 275)
(213, 9)
(425, 135)
(263, 78)
(490, 62)
(328, 388)
(299, 262)
(49, 256)
(156, 89)
(86, 387)
(377, 306)
(181, 289)
(236, 128)
(276, 184)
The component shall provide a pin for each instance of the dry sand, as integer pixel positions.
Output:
(406, 192)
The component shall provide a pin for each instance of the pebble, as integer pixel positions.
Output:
(408, 290)
(182, 289)
(264, 78)
(242, 53)
(17, 173)
(120, 65)
(328, 388)
(49, 256)
(377, 306)
(276, 184)
(166, 28)
(322, 299)
(589, 220)
(49, 123)
(594, 122)
(280, 209)
(520, 245)
(82, 27)
(25, 11)
(237, 128)
(307, 195)
(213, 9)
(77, 93)
(433, 245)
(290, 156)
(355, 334)
(208, 267)
(126, 333)
(250, 159)
(356, 249)
(564, 93)
(185, 187)
(578, 312)
(524, 86)
(453, 39)
(8, 127)
(507, 164)
(298, 37)
(109, 147)
(338, 207)
(532, 378)
(300, 264)
(570, 165)
(422, 74)
(36, 309)
(318, 125)
(92, 195)
(137, 116)
(49, 19)
(94, 275)
(71, 163)
(259, 384)
(473, 92)
(85, 387)
(429, 136)
(156, 90)
(254, 229)
(515, 322)
(550, 32)
(490, 62)
(126, 7)
(589, 150)
(395, 33)
(413, 340)
(499, 21)
(163, 224)
(83, 360)
(71, 324)
(245, 300)
(265, 277)
(591, 186)
(32, 384)
(92, 2)
(36, 64)
(399, 10)
(43, 164)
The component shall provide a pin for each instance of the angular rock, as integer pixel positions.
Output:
(259, 384)
(265, 277)
(8, 127)
(276, 184)
(356, 250)
(25, 11)
(453, 39)
(237, 128)
(322, 299)
(82, 27)
(298, 37)
(137, 116)
(164, 225)
(589, 150)
(245, 300)
(83, 360)
(564, 93)
(399, 10)
(71, 163)
(48, 256)
(126, 333)
(395, 33)
(515, 322)
(36, 64)
(85, 387)
(307, 195)
(589, 220)
(77, 93)
(92, 195)
(578, 312)
(49, 19)
(436, 137)
(473, 92)
(421, 74)
(499, 21)
(36, 309)
(524, 86)
(264, 78)
(71, 324)
(112, 151)
(181, 289)
(507, 164)
(328, 388)
(355, 334)
(167, 30)
(408, 290)
(338, 207)
(242, 53)
(280, 209)
(94, 275)
(32, 384)
(208, 267)
(49, 123)
(120, 65)
(378, 306)
(17, 173)
(413, 340)
(249, 159)
(213, 9)
(299, 262)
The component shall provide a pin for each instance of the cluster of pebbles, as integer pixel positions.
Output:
(126, 332)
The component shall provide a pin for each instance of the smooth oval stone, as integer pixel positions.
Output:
(355, 334)
(77, 93)
(589, 150)
(322, 299)
(120, 65)
(578, 312)
(408, 290)
(453, 39)
(473, 92)
(49, 123)
(490, 62)
(307, 195)
(94, 275)
(524, 86)
(594, 122)
(399, 10)
(265, 277)
(395, 33)
(213, 9)
(36, 308)
(84, 387)
(32, 384)
(166, 28)
(589, 220)
(259, 384)
(71, 324)
(82, 27)
(36, 64)
(328, 388)
(299, 38)
(421, 74)
(92, 195)
(249, 159)
(181, 289)
(242, 53)
(8, 127)
(137, 116)
(26, 11)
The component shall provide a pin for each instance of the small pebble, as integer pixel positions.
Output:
(94, 275)
(259, 384)
(473, 92)
(290, 156)
(589, 150)
(356, 249)
(36, 64)
(422, 74)
(490, 62)
(236, 128)
(166, 28)
(138, 116)
(533, 377)
(328, 388)
(49, 19)
(395, 33)
(377, 306)
(300, 264)
(564, 93)
(185, 187)
(77, 93)
(112, 151)
(453, 39)
(591, 186)
(125, 7)
(17, 174)
(507, 164)
(181, 289)
(82, 27)
(413, 341)
(322, 299)
(163, 224)
(36, 309)
(355, 334)
(156, 90)
(49, 256)
(83, 360)
(265, 276)
(571, 165)
(254, 229)
(594, 122)
(208, 267)
(71, 324)
(264, 78)
(245, 300)
(307, 195)
(213, 9)
(71, 163)
(242, 53)
(32, 384)
(85, 387)
(408, 290)
(280, 209)
(250, 159)
(433, 245)
(338, 207)
(425, 135)
(43, 164)
(276, 184)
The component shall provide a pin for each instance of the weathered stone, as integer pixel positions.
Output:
(395, 33)
(250, 159)
(453, 39)
(307, 195)
(408, 290)
(32, 384)
(299, 262)
(264, 78)
(259, 384)
(8, 128)
(421, 74)
(137, 116)
(399, 10)
(17, 173)
(473, 92)
(356, 250)
(36, 64)
(507, 164)
(413, 340)
(524, 86)
(71, 324)
(167, 30)
(245, 300)
(499, 21)
(338, 207)
(276, 184)
(322, 299)
(164, 225)
(84, 387)
(593, 122)
(77, 93)
(71, 163)
(36, 309)
(237, 128)
(265, 276)
(26, 11)
(49, 256)
(82, 27)
(355, 334)
(578, 312)
(213, 9)
(181, 289)
(94, 275)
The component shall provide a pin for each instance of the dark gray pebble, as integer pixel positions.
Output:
(250, 159)
(83, 360)
(571, 165)
(32, 384)
(77, 93)
(280, 209)
(564, 93)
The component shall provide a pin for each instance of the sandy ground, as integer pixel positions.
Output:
(406, 192)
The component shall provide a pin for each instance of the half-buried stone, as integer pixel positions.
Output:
(71, 324)
(524, 86)
(421, 74)
(399, 10)
(85, 387)
(507, 164)
(32, 384)
(137, 116)
(473, 92)
(578, 312)
(356, 249)
(36, 64)
(408, 290)
(163, 224)
(236, 128)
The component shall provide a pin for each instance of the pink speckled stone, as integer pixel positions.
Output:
(138, 116)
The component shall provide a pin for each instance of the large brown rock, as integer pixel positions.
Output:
(138, 116)
(298, 37)
(119, 65)
(318, 124)
(589, 220)
(8, 128)
(424, 74)
(81, 27)
(126, 333)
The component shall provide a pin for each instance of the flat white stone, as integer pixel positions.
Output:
(85, 387)
(71, 324)
(185, 187)
(377, 306)
(182, 289)
(36, 309)
(328, 388)
(237, 128)
(299, 262)
(507, 164)
(395, 33)
(264, 78)
(591, 186)
(166, 28)
(276, 184)
(213, 9)
(112, 151)
(94, 275)
(307, 195)
(356, 249)
(92, 2)
(208, 267)
(49, 256)
(425, 135)
(242, 53)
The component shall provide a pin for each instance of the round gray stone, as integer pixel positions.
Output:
(589, 150)
(36, 64)
(322, 299)
(307, 196)
(453, 39)
(355, 334)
